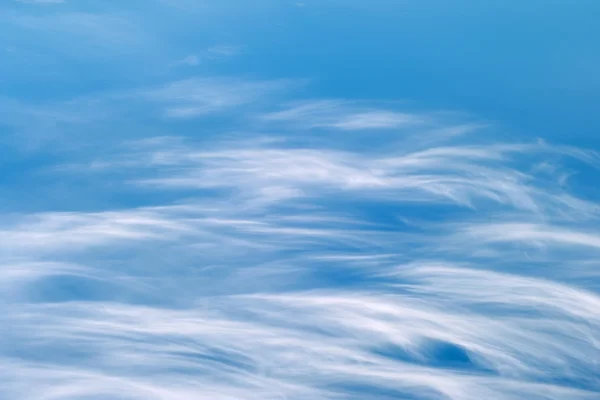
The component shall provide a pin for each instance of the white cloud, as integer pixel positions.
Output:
(83, 34)
(519, 232)
(324, 249)
(466, 175)
(224, 51)
(199, 97)
(191, 60)
(292, 266)
(212, 53)
(298, 345)
(343, 116)
(80, 230)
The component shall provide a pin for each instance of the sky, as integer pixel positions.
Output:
(299, 200)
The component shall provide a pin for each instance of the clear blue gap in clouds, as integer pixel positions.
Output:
(299, 200)
(528, 62)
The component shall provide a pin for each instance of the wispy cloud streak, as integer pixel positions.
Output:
(283, 267)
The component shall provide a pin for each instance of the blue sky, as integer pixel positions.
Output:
(299, 200)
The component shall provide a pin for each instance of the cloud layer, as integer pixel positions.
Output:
(193, 236)
(300, 271)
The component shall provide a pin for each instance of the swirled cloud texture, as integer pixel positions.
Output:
(299, 200)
